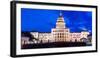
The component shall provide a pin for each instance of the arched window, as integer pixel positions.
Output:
(75, 40)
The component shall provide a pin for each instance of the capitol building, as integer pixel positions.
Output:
(59, 34)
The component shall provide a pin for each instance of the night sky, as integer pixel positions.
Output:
(43, 20)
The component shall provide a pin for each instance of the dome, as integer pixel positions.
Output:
(60, 22)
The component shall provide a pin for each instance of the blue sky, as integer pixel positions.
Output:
(43, 20)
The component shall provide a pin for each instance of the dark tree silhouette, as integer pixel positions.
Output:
(27, 34)
(83, 39)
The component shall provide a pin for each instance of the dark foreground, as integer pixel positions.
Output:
(54, 45)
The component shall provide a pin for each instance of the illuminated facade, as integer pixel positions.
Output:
(60, 34)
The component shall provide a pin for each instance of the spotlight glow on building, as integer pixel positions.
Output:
(59, 34)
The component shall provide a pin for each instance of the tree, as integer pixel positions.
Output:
(83, 40)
